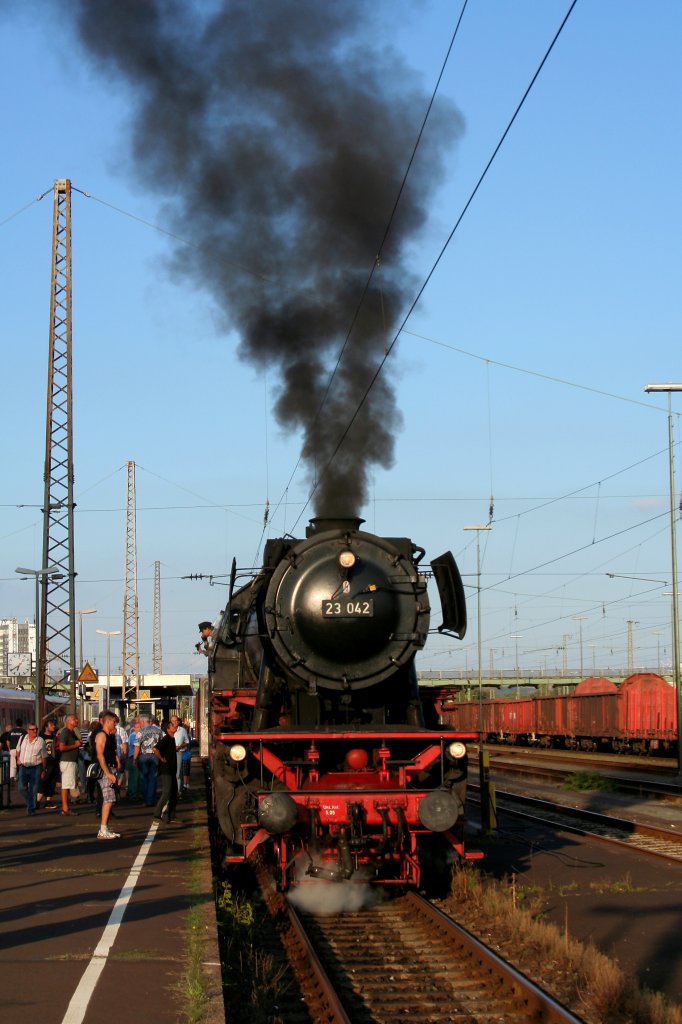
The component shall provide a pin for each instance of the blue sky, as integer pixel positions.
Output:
(520, 373)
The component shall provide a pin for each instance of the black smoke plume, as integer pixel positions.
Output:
(280, 136)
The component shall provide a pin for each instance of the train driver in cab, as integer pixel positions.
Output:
(206, 642)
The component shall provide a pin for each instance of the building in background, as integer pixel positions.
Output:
(16, 638)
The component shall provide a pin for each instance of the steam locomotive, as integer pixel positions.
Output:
(325, 758)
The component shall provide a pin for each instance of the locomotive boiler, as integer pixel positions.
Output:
(325, 758)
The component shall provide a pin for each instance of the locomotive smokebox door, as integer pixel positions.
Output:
(346, 609)
(451, 590)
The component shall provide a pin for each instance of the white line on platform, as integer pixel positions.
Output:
(75, 1013)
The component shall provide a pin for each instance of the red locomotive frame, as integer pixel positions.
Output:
(377, 803)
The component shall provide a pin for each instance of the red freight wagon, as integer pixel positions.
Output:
(639, 716)
(461, 715)
(552, 720)
(593, 715)
(648, 715)
(513, 720)
(595, 684)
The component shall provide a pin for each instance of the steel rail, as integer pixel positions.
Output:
(648, 839)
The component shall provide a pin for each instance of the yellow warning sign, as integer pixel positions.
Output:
(88, 674)
(144, 695)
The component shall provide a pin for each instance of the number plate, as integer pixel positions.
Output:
(348, 608)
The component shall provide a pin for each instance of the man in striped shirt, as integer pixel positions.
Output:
(31, 765)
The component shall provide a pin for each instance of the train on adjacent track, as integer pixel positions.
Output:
(20, 704)
(325, 757)
(639, 716)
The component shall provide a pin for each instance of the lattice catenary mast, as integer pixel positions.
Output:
(131, 658)
(57, 636)
(157, 651)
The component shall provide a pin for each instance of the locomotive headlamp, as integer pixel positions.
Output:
(456, 750)
(237, 752)
(347, 559)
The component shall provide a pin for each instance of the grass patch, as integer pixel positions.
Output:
(254, 980)
(620, 885)
(191, 986)
(589, 781)
(578, 976)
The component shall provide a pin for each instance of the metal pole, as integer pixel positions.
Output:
(478, 631)
(487, 789)
(108, 633)
(676, 621)
(669, 388)
(38, 694)
(580, 619)
(478, 530)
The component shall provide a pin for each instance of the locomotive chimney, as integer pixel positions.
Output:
(323, 524)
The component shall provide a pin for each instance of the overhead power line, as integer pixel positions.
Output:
(440, 254)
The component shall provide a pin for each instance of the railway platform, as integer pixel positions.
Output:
(98, 931)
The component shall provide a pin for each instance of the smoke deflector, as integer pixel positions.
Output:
(451, 591)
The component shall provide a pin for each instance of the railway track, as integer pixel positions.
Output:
(647, 839)
(643, 778)
(580, 760)
(402, 959)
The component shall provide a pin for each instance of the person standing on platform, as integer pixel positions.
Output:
(48, 781)
(69, 745)
(166, 755)
(187, 759)
(181, 745)
(122, 754)
(145, 760)
(133, 773)
(31, 759)
(84, 759)
(15, 735)
(105, 755)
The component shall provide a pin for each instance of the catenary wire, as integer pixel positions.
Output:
(375, 262)
(442, 252)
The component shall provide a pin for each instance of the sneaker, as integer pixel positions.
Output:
(105, 833)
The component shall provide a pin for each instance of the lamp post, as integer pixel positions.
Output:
(580, 619)
(39, 574)
(669, 389)
(516, 637)
(657, 634)
(81, 612)
(108, 633)
(479, 530)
